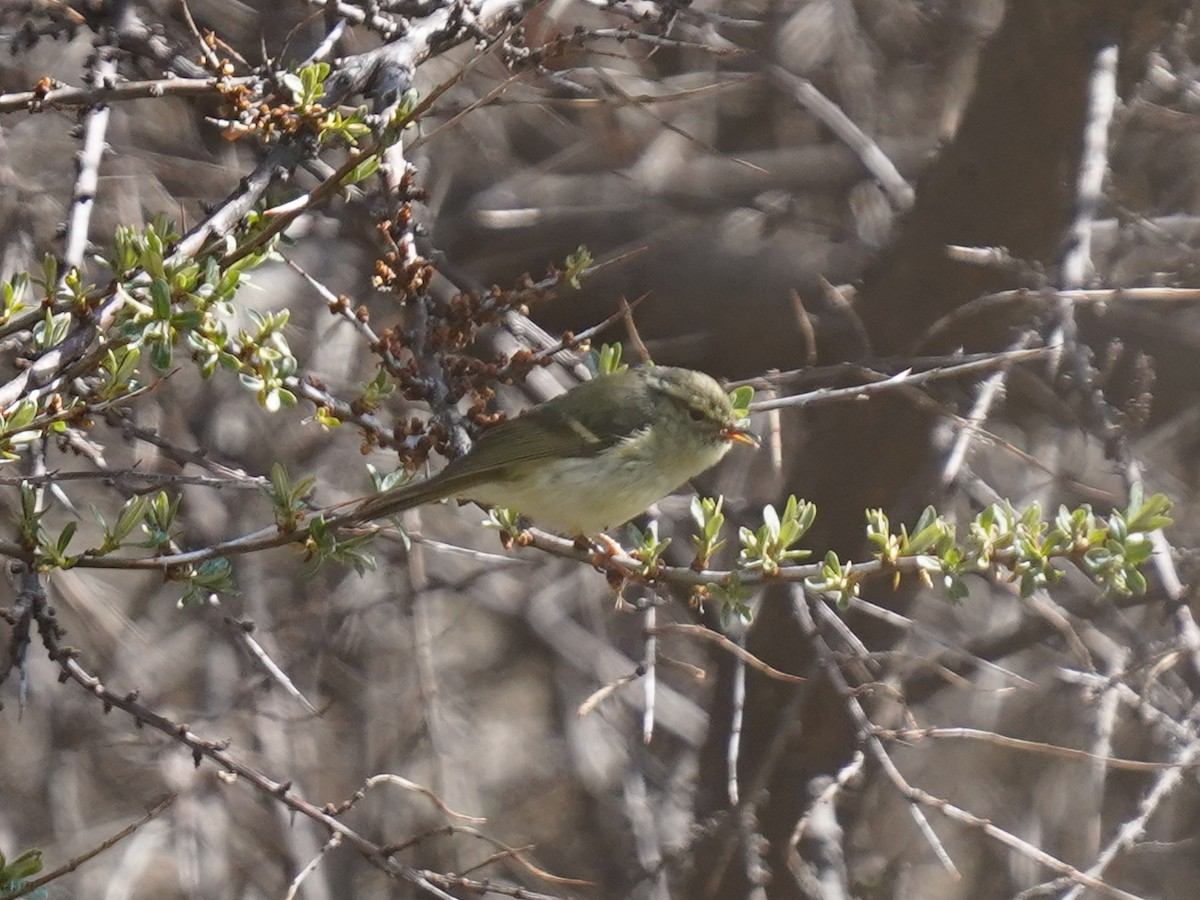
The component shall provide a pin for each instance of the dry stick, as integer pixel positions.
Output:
(732, 647)
(211, 60)
(72, 97)
(989, 393)
(441, 743)
(407, 785)
(1042, 604)
(903, 381)
(241, 630)
(1091, 179)
(806, 95)
(120, 419)
(1115, 657)
(851, 770)
(1133, 829)
(906, 378)
(217, 751)
(603, 693)
(896, 620)
(670, 126)
(913, 735)
(1137, 703)
(30, 886)
(863, 725)
(83, 195)
(483, 101)
(635, 338)
(916, 796)
(575, 340)
(945, 365)
(1102, 105)
(737, 717)
(332, 844)
(622, 34)
(980, 306)
(649, 658)
(736, 821)
(996, 258)
(518, 854)
(1008, 639)
(138, 478)
(804, 322)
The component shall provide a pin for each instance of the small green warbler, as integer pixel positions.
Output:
(589, 459)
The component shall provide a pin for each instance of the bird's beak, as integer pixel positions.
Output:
(740, 436)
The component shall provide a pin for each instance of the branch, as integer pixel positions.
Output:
(432, 883)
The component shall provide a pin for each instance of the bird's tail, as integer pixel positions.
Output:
(447, 483)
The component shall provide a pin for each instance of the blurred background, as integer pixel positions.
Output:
(702, 170)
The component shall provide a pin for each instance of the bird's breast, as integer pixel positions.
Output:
(587, 495)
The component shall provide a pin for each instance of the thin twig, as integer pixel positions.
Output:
(30, 886)
(731, 647)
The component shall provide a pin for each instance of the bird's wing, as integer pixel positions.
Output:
(548, 431)
(556, 429)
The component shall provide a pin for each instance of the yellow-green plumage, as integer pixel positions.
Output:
(591, 458)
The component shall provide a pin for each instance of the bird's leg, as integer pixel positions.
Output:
(606, 545)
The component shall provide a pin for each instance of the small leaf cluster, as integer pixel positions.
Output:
(648, 549)
(289, 501)
(507, 522)
(772, 545)
(307, 85)
(155, 516)
(740, 399)
(26, 421)
(931, 535)
(1017, 545)
(211, 577)
(266, 359)
(606, 360)
(323, 544)
(1113, 558)
(731, 594)
(1021, 547)
(374, 392)
(836, 578)
(709, 517)
(292, 105)
(168, 300)
(576, 264)
(13, 296)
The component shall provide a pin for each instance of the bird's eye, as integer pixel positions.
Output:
(696, 415)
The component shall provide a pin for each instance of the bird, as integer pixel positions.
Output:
(590, 459)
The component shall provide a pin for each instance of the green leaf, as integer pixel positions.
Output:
(24, 866)
(741, 398)
(606, 360)
(212, 576)
(160, 299)
(64, 539)
(365, 169)
(576, 263)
